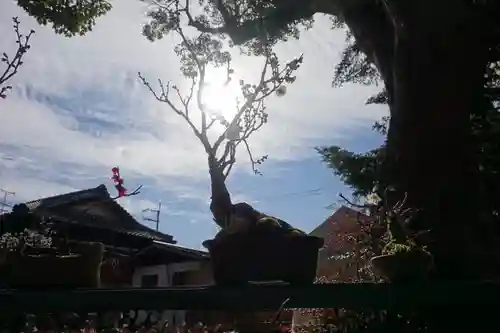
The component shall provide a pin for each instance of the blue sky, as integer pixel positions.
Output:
(77, 109)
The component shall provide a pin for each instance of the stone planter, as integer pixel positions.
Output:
(404, 266)
(263, 255)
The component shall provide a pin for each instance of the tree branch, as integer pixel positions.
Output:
(201, 82)
(134, 192)
(274, 20)
(251, 116)
(250, 99)
(13, 64)
(198, 52)
(351, 203)
(163, 97)
(254, 162)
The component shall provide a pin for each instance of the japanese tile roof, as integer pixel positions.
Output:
(95, 208)
(181, 250)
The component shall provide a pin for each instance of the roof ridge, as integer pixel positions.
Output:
(343, 209)
(99, 193)
(65, 198)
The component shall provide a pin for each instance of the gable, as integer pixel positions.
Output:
(344, 220)
(344, 217)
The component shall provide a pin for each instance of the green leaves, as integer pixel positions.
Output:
(67, 17)
(205, 49)
(162, 22)
(354, 67)
(359, 171)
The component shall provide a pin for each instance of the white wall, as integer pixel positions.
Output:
(165, 274)
(160, 270)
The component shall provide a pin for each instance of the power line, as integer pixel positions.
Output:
(306, 193)
(155, 220)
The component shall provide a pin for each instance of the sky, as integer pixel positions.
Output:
(77, 109)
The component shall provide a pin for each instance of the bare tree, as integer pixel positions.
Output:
(12, 63)
(197, 54)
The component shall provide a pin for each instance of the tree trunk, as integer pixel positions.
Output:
(437, 78)
(220, 204)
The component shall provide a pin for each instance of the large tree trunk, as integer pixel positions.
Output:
(431, 57)
(220, 204)
(437, 80)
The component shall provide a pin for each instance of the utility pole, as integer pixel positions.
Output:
(4, 204)
(157, 212)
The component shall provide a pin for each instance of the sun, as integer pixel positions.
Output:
(220, 96)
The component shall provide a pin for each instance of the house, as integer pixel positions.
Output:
(339, 232)
(135, 255)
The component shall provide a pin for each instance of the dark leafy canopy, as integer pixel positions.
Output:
(361, 171)
(67, 17)
(249, 16)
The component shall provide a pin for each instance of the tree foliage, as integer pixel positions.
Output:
(67, 17)
(214, 17)
(354, 66)
(362, 171)
(359, 171)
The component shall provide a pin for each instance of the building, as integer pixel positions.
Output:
(339, 232)
(135, 255)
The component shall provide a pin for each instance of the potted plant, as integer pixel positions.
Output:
(256, 247)
(245, 249)
(33, 262)
(403, 258)
(403, 262)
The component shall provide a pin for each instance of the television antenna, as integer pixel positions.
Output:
(4, 205)
(156, 220)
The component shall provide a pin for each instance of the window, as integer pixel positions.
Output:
(179, 278)
(149, 280)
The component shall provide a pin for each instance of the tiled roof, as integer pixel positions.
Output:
(95, 208)
(193, 253)
(342, 215)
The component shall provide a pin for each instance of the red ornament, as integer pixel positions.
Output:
(122, 191)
